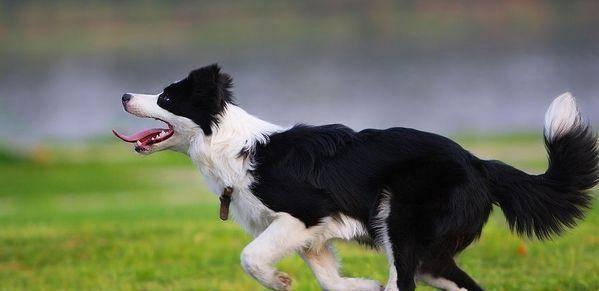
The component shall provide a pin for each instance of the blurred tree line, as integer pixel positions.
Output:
(68, 26)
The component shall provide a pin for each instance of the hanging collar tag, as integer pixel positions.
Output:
(225, 201)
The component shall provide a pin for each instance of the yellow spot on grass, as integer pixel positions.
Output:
(522, 250)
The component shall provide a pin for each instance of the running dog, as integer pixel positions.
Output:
(417, 196)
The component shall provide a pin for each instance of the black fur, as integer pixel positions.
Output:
(345, 171)
(544, 205)
(201, 96)
(441, 195)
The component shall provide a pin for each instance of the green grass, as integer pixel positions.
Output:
(100, 217)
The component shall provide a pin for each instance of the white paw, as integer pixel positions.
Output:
(359, 284)
(282, 281)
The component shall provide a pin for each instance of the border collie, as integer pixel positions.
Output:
(417, 196)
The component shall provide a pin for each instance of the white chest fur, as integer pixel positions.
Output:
(218, 158)
(246, 209)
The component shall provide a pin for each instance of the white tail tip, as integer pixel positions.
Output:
(561, 116)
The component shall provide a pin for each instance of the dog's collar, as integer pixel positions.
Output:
(225, 201)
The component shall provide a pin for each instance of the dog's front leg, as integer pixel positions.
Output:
(283, 236)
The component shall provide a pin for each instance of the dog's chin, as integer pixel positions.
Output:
(150, 149)
(169, 144)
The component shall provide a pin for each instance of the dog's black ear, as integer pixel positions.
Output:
(211, 87)
(210, 93)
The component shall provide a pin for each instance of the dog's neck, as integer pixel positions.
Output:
(220, 156)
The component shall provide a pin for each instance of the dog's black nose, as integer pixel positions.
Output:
(126, 97)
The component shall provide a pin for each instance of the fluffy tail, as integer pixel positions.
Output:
(544, 205)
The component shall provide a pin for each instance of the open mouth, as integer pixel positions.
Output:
(144, 139)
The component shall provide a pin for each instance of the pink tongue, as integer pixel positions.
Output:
(137, 136)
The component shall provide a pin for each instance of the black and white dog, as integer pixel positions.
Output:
(417, 196)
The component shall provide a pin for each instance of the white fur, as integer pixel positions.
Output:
(392, 281)
(380, 225)
(440, 283)
(561, 117)
(341, 227)
(276, 234)
(325, 267)
(217, 157)
(284, 235)
(287, 234)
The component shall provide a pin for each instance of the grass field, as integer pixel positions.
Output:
(99, 217)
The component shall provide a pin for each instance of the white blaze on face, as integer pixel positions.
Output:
(145, 105)
(177, 136)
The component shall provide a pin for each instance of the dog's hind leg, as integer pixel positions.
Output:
(325, 267)
(283, 236)
(404, 261)
(440, 283)
(394, 233)
(446, 275)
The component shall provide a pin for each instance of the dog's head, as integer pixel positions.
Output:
(189, 106)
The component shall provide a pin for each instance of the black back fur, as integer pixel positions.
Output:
(331, 169)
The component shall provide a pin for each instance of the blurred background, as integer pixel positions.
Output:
(442, 66)
(80, 211)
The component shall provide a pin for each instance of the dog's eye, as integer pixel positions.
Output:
(164, 99)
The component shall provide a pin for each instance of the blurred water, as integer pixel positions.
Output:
(79, 97)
